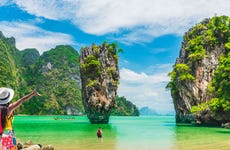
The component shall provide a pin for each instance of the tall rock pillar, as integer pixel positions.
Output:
(99, 78)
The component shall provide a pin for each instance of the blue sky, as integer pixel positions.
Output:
(150, 32)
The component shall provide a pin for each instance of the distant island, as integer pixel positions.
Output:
(146, 111)
(124, 108)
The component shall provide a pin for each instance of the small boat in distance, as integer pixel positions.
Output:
(64, 118)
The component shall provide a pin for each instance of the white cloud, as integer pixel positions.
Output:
(146, 90)
(142, 78)
(141, 20)
(50, 9)
(5, 2)
(30, 36)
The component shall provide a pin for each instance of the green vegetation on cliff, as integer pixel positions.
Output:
(55, 74)
(207, 35)
(124, 108)
(183, 72)
(91, 67)
(8, 68)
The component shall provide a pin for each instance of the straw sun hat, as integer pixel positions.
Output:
(6, 95)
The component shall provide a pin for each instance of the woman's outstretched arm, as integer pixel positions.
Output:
(16, 104)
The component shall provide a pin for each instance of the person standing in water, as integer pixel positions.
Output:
(8, 141)
(99, 134)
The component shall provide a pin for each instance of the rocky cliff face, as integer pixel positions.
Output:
(99, 76)
(194, 70)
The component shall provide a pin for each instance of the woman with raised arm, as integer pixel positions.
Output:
(8, 140)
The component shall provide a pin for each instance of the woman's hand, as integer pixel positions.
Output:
(36, 93)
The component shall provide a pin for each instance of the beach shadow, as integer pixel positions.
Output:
(227, 131)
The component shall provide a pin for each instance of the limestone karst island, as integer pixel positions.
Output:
(200, 79)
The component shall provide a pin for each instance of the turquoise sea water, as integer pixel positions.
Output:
(122, 133)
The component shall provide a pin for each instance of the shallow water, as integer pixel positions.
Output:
(122, 133)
